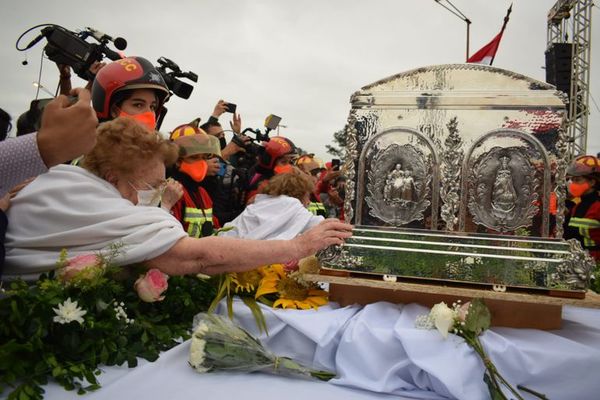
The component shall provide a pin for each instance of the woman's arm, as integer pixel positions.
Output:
(214, 255)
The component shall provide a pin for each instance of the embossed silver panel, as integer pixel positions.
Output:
(467, 148)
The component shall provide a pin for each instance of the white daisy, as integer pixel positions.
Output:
(69, 311)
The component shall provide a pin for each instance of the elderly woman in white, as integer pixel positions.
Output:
(278, 211)
(110, 200)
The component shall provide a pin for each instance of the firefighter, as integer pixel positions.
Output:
(195, 209)
(310, 166)
(277, 157)
(583, 219)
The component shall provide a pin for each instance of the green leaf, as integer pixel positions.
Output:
(495, 392)
(259, 317)
(479, 317)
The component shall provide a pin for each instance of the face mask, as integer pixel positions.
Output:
(148, 118)
(579, 189)
(195, 170)
(222, 142)
(283, 169)
(150, 197)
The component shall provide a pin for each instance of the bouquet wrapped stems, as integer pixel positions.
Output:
(218, 345)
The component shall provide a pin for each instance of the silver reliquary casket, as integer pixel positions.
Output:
(457, 173)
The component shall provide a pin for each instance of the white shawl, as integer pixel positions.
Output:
(70, 208)
(272, 217)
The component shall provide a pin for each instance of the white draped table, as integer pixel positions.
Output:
(377, 354)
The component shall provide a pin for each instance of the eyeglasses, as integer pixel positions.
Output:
(161, 186)
(315, 171)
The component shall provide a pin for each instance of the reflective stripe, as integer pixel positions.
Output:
(584, 225)
(195, 217)
(315, 207)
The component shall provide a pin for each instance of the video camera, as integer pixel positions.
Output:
(178, 87)
(71, 48)
(253, 149)
(271, 122)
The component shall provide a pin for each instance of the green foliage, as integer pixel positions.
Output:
(339, 148)
(35, 349)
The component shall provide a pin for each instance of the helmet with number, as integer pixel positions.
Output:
(275, 148)
(126, 74)
(584, 166)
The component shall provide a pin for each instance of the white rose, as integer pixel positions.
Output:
(442, 317)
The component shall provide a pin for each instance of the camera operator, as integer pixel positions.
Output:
(64, 81)
(213, 127)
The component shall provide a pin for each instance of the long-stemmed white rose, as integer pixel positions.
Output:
(443, 318)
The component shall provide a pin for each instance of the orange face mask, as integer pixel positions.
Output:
(579, 189)
(195, 170)
(148, 118)
(283, 169)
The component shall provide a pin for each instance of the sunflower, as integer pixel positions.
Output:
(292, 290)
(247, 281)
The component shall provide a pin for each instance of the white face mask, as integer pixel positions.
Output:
(150, 198)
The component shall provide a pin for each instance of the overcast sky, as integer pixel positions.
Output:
(301, 60)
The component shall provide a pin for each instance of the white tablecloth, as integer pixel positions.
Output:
(377, 352)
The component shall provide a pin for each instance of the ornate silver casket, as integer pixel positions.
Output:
(457, 172)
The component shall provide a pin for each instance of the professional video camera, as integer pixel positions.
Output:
(178, 87)
(71, 48)
(253, 149)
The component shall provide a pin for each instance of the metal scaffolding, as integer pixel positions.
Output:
(580, 14)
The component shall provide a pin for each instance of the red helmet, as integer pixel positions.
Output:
(126, 74)
(584, 166)
(275, 148)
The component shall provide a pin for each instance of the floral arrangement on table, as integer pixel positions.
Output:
(88, 313)
(469, 320)
(275, 285)
(219, 345)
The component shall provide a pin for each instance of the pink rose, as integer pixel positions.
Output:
(83, 267)
(150, 286)
(462, 311)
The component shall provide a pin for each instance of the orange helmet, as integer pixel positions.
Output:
(275, 148)
(584, 166)
(126, 74)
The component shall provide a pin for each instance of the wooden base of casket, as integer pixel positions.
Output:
(516, 310)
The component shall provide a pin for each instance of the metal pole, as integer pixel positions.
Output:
(468, 21)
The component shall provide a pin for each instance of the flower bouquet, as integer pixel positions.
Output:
(219, 345)
(469, 321)
(88, 313)
(275, 285)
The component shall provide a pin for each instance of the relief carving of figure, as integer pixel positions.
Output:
(399, 186)
(504, 195)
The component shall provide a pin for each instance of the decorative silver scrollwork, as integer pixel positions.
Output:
(349, 167)
(399, 184)
(503, 189)
(452, 158)
(576, 270)
(559, 184)
(338, 257)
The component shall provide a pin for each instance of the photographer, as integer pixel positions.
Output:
(213, 127)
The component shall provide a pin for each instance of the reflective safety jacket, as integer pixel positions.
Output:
(583, 223)
(317, 208)
(193, 214)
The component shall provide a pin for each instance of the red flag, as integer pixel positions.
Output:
(487, 53)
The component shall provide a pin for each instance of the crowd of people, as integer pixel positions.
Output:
(87, 175)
